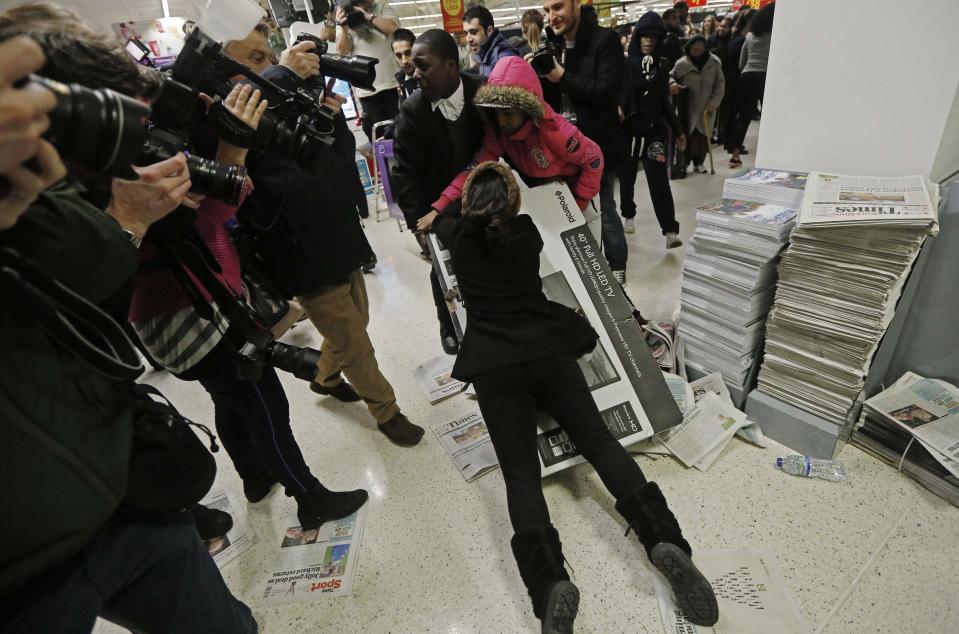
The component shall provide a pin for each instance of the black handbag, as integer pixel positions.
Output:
(265, 295)
(170, 469)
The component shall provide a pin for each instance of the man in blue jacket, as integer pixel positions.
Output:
(485, 40)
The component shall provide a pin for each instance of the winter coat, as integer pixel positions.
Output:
(647, 106)
(310, 235)
(67, 429)
(705, 87)
(547, 146)
(495, 48)
(422, 147)
(509, 320)
(593, 81)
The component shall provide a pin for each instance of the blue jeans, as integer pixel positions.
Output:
(146, 576)
(614, 238)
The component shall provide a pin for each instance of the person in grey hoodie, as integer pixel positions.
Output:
(700, 73)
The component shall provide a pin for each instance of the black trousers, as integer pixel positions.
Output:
(750, 89)
(509, 399)
(648, 150)
(253, 422)
(442, 312)
(149, 576)
(379, 107)
(696, 148)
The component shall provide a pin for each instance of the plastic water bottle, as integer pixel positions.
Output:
(805, 466)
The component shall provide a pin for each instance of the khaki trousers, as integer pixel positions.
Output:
(341, 314)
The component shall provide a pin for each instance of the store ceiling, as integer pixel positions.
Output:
(417, 15)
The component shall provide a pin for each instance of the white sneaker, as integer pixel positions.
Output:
(699, 169)
(673, 241)
(629, 226)
(620, 276)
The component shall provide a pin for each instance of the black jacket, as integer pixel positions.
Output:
(647, 106)
(422, 145)
(509, 320)
(593, 81)
(308, 230)
(673, 46)
(65, 429)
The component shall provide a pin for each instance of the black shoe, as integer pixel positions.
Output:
(319, 505)
(647, 513)
(539, 557)
(743, 150)
(450, 344)
(401, 431)
(369, 265)
(211, 523)
(342, 391)
(256, 492)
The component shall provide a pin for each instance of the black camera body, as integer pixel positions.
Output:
(358, 70)
(542, 60)
(354, 19)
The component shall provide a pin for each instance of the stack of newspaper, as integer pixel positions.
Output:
(729, 277)
(915, 424)
(839, 281)
(774, 187)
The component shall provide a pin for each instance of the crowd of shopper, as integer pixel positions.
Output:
(588, 114)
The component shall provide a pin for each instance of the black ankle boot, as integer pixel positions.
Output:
(319, 505)
(647, 513)
(539, 556)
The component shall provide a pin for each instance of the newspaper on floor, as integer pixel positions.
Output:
(841, 200)
(710, 423)
(714, 383)
(681, 391)
(434, 380)
(624, 379)
(230, 546)
(467, 442)
(443, 265)
(311, 565)
(751, 592)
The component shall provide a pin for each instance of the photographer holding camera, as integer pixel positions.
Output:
(583, 82)
(365, 27)
(315, 250)
(72, 545)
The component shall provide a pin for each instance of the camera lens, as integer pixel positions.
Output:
(212, 178)
(300, 362)
(356, 69)
(100, 130)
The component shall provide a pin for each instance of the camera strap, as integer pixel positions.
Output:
(68, 317)
(184, 250)
(229, 127)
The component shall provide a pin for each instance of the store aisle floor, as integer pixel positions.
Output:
(436, 555)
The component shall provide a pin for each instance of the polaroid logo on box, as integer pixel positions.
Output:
(565, 206)
(326, 586)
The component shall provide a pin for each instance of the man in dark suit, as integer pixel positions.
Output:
(437, 133)
(402, 43)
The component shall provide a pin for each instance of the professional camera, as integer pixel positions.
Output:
(354, 18)
(100, 130)
(356, 69)
(542, 61)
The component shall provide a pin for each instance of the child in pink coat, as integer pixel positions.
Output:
(539, 143)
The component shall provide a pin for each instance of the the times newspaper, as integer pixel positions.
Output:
(468, 443)
(625, 380)
(314, 564)
(833, 199)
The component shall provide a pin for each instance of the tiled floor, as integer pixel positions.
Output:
(874, 554)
